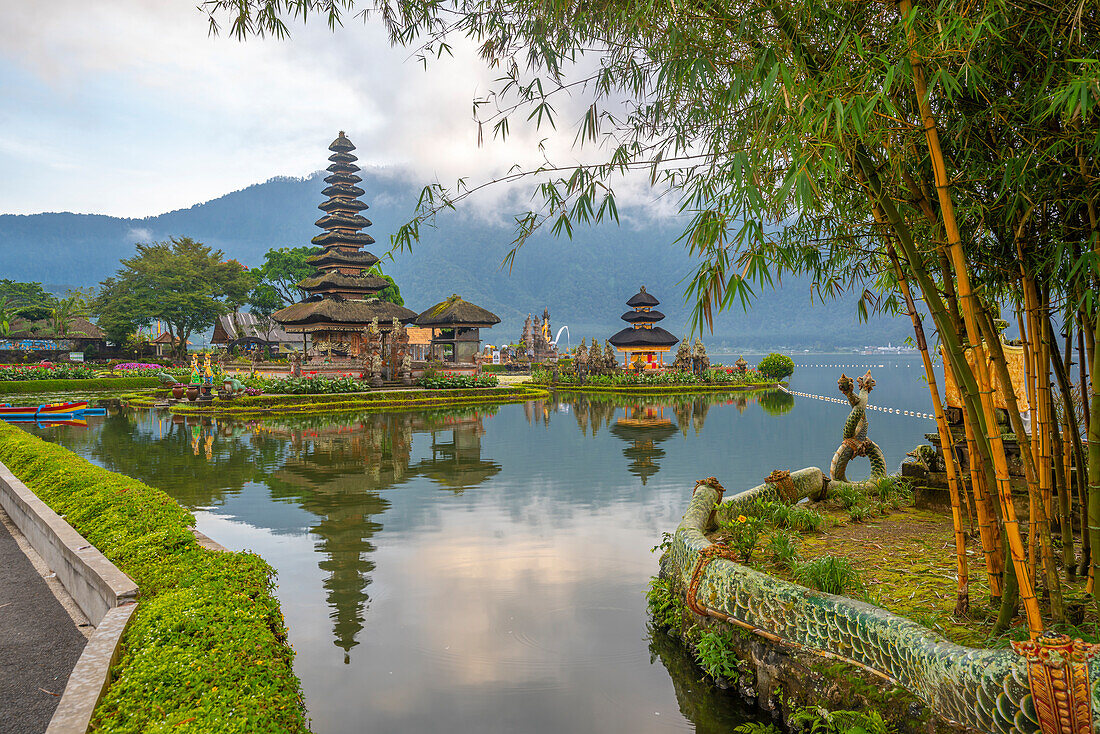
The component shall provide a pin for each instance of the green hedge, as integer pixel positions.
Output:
(389, 400)
(206, 650)
(24, 387)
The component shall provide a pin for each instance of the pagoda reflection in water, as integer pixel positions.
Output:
(644, 427)
(339, 472)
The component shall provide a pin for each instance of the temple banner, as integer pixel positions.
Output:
(1014, 356)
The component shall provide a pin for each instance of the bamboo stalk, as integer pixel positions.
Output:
(967, 302)
(962, 595)
(1039, 520)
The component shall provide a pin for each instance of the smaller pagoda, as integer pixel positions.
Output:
(643, 343)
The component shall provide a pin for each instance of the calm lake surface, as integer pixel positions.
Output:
(484, 570)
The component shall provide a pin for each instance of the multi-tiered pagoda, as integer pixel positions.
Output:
(342, 300)
(643, 343)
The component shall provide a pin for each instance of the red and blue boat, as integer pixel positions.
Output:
(49, 412)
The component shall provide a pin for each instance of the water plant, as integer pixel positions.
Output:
(714, 652)
(829, 574)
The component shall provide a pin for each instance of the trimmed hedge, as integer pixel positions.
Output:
(24, 387)
(388, 400)
(206, 650)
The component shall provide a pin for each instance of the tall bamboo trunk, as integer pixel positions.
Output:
(967, 303)
(962, 595)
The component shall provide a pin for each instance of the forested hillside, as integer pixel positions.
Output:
(584, 281)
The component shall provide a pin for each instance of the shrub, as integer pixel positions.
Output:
(776, 366)
(861, 512)
(714, 651)
(893, 493)
(458, 382)
(795, 517)
(816, 720)
(829, 574)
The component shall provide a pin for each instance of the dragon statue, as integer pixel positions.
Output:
(855, 442)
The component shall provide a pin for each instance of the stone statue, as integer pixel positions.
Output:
(683, 357)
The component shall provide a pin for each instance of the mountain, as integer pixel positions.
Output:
(584, 281)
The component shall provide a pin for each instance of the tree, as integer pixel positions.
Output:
(938, 151)
(29, 301)
(183, 283)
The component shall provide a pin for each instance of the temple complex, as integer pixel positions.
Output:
(342, 298)
(643, 343)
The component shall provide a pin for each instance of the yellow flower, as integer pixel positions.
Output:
(742, 518)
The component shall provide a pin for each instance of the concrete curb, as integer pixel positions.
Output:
(105, 594)
(95, 583)
(91, 674)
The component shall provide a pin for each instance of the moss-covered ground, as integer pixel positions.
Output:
(905, 561)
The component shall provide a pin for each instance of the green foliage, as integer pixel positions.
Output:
(28, 301)
(714, 652)
(183, 283)
(850, 495)
(776, 366)
(796, 517)
(783, 549)
(35, 387)
(821, 721)
(56, 372)
(893, 492)
(757, 727)
(861, 512)
(448, 381)
(275, 280)
(207, 644)
(743, 532)
(829, 574)
(665, 605)
(307, 385)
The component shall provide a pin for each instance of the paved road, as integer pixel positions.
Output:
(39, 643)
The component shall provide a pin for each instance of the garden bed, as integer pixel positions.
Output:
(206, 649)
(409, 399)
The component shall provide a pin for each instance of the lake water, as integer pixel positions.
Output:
(484, 570)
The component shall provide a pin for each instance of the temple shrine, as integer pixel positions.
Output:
(342, 300)
(643, 343)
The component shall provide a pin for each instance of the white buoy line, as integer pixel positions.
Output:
(881, 409)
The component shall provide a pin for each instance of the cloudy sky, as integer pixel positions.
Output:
(131, 108)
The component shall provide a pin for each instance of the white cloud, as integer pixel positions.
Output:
(141, 111)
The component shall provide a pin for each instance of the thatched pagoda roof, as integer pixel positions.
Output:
(357, 259)
(640, 338)
(641, 298)
(340, 177)
(456, 312)
(642, 317)
(343, 239)
(321, 281)
(342, 191)
(342, 205)
(340, 311)
(346, 221)
(342, 167)
(341, 144)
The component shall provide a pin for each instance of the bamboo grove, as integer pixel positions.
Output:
(939, 156)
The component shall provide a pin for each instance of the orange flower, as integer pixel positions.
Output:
(742, 518)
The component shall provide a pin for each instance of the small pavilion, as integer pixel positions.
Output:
(643, 343)
(456, 326)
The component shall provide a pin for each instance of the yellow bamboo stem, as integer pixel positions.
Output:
(969, 310)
